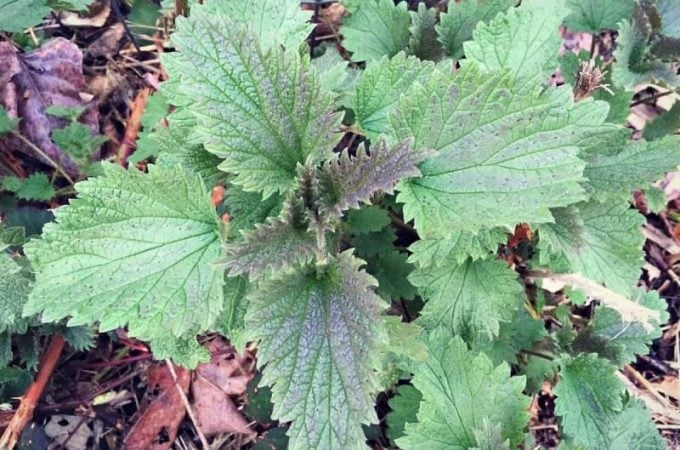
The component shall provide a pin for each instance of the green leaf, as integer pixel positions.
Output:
(271, 247)
(670, 17)
(232, 322)
(334, 73)
(262, 112)
(460, 298)
(589, 397)
(404, 408)
(319, 334)
(134, 249)
(392, 270)
(633, 63)
(375, 243)
(489, 437)
(633, 428)
(66, 112)
(173, 148)
(36, 187)
(619, 341)
(378, 90)
(15, 286)
(456, 25)
(524, 40)
(423, 42)
(17, 15)
(367, 219)
(7, 124)
(11, 183)
(247, 209)
(460, 245)
(656, 199)
(519, 334)
(460, 389)
(601, 241)
(404, 339)
(274, 22)
(594, 16)
(664, 125)
(499, 142)
(637, 164)
(377, 28)
(77, 141)
(345, 182)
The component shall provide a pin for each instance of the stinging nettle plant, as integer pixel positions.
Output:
(307, 265)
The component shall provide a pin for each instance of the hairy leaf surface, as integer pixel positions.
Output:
(379, 87)
(594, 16)
(589, 397)
(346, 182)
(499, 142)
(17, 15)
(601, 241)
(460, 245)
(460, 390)
(15, 286)
(457, 24)
(375, 29)
(134, 249)
(460, 298)
(319, 333)
(525, 40)
(636, 165)
(262, 112)
(424, 43)
(274, 22)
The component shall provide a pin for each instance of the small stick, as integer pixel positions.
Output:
(133, 125)
(187, 406)
(24, 413)
(44, 155)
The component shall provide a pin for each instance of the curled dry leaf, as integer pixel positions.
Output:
(32, 82)
(215, 386)
(156, 429)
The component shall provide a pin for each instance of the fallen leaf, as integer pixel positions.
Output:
(156, 429)
(69, 432)
(95, 17)
(215, 384)
(30, 83)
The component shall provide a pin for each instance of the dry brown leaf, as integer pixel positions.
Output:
(215, 383)
(156, 429)
(30, 83)
(95, 17)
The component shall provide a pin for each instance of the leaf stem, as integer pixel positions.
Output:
(537, 354)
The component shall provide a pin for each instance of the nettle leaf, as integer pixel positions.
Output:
(634, 428)
(247, 209)
(262, 112)
(601, 241)
(670, 17)
(7, 123)
(334, 73)
(633, 62)
(15, 286)
(392, 270)
(404, 408)
(270, 247)
(636, 165)
(617, 340)
(424, 43)
(378, 89)
(524, 40)
(460, 245)
(594, 16)
(457, 24)
(347, 181)
(489, 437)
(272, 21)
(36, 187)
(232, 321)
(499, 142)
(589, 397)
(16, 16)
(319, 335)
(133, 249)
(460, 389)
(367, 219)
(375, 29)
(460, 298)
(667, 123)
